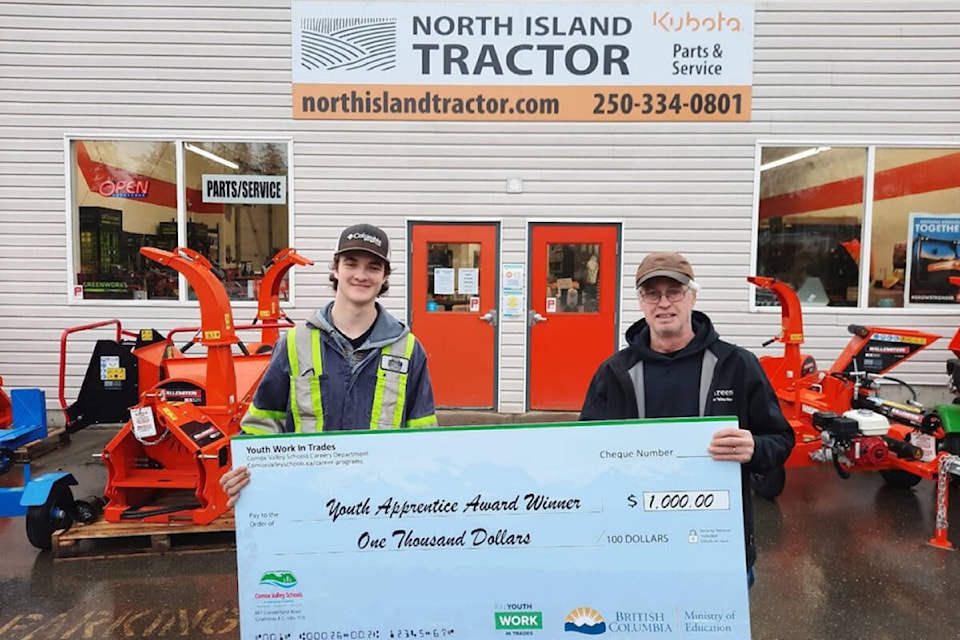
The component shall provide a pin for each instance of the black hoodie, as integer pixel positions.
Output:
(672, 387)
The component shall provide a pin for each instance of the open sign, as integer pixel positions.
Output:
(124, 188)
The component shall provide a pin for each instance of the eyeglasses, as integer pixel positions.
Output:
(652, 296)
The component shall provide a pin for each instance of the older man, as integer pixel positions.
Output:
(676, 365)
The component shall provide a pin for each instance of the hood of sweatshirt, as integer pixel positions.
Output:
(638, 337)
(386, 329)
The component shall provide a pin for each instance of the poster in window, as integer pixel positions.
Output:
(933, 262)
(443, 281)
(468, 281)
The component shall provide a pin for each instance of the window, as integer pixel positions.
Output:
(915, 235)
(819, 227)
(572, 278)
(453, 276)
(228, 202)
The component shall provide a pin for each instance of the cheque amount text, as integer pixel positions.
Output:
(681, 500)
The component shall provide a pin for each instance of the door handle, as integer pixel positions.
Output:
(490, 316)
(533, 318)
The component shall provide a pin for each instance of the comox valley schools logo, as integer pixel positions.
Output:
(283, 579)
(585, 620)
(348, 44)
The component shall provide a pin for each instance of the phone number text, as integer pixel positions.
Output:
(610, 104)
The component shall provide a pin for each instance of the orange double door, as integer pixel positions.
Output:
(564, 300)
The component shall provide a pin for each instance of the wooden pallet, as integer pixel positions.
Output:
(56, 437)
(102, 539)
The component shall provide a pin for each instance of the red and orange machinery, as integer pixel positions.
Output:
(950, 413)
(165, 463)
(838, 414)
(6, 411)
(269, 313)
(130, 361)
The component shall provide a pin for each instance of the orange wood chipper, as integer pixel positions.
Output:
(165, 463)
(838, 414)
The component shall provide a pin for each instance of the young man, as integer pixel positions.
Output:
(675, 365)
(352, 365)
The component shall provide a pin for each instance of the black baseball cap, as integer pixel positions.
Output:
(365, 237)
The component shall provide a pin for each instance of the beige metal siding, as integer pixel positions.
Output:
(824, 72)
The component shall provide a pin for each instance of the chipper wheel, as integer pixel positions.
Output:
(51, 516)
(900, 479)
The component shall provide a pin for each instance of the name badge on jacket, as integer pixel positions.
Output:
(394, 363)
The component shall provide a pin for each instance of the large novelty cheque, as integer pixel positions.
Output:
(627, 529)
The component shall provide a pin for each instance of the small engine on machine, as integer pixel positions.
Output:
(858, 439)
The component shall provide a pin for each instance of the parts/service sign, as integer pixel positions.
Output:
(574, 62)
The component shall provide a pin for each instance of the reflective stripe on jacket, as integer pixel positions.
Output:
(304, 352)
(340, 381)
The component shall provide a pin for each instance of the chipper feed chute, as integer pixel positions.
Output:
(165, 463)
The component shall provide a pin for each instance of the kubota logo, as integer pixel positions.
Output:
(690, 22)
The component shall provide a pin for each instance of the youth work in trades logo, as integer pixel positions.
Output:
(352, 44)
(282, 579)
(519, 620)
(585, 620)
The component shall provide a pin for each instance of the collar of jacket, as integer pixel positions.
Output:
(386, 329)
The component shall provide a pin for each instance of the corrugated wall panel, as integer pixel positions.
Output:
(824, 72)
(863, 73)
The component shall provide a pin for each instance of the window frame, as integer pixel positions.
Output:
(178, 139)
(863, 284)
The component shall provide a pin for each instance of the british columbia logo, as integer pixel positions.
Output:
(585, 620)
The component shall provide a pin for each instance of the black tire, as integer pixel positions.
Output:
(769, 485)
(53, 515)
(900, 479)
(951, 443)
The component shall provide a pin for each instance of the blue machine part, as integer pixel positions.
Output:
(29, 418)
(29, 424)
(14, 501)
(10, 502)
(18, 436)
(29, 408)
(36, 491)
